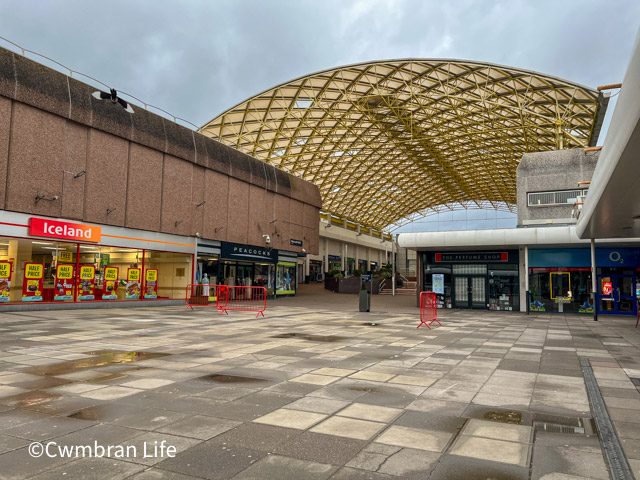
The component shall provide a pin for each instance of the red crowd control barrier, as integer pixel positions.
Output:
(201, 296)
(428, 309)
(243, 299)
(225, 298)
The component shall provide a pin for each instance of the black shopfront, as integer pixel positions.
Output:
(480, 279)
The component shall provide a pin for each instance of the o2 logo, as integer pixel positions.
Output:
(615, 257)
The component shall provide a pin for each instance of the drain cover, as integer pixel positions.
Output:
(556, 428)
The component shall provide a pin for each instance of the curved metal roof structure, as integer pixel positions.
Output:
(388, 141)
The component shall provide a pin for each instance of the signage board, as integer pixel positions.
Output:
(133, 284)
(65, 256)
(110, 289)
(63, 286)
(151, 284)
(437, 282)
(5, 281)
(41, 227)
(366, 278)
(248, 253)
(471, 257)
(297, 243)
(86, 282)
(32, 286)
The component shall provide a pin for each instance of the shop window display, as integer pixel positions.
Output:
(286, 279)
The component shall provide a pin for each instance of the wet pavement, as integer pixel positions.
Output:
(314, 390)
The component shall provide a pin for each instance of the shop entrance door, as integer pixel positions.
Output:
(470, 291)
(616, 294)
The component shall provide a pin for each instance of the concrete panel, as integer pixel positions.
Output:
(239, 164)
(238, 211)
(41, 86)
(176, 196)
(297, 219)
(80, 110)
(148, 129)
(36, 157)
(7, 74)
(111, 118)
(283, 216)
(259, 218)
(106, 183)
(202, 155)
(216, 193)
(75, 162)
(259, 176)
(179, 141)
(144, 197)
(5, 128)
(218, 156)
(311, 222)
(197, 197)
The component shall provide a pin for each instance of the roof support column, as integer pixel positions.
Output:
(594, 282)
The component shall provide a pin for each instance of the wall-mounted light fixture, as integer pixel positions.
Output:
(44, 197)
(113, 96)
(80, 174)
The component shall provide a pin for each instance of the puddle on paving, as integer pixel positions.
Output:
(31, 398)
(364, 389)
(217, 378)
(94, 414)
(504, 416)
(98, 359)
(311, 338)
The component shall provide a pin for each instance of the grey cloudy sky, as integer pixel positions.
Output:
(195, 59)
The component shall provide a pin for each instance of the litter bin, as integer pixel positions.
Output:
(365, 294)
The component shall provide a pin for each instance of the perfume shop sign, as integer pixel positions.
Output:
(471, 257)
(41, 227)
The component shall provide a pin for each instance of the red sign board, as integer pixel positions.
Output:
(607, 287)
(32, 285)
(41, 227)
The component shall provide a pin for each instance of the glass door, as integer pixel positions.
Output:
(470, 291)
(616, 294)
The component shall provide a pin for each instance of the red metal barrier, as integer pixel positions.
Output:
(225, 298)
(201, 296)
(428, 309)
(243, 299)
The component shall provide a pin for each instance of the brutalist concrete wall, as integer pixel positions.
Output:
(548, 172)
(137, 170)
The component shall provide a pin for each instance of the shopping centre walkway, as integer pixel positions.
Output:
(315, 390)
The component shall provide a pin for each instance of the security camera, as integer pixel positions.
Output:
(304, 251)
(198, 235)
(267, 239)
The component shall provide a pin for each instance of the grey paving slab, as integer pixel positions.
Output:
(225, 375)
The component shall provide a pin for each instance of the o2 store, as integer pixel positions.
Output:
(45, 260)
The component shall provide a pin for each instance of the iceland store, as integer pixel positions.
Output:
(45, 260)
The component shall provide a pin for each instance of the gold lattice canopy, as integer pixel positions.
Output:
(389, 141)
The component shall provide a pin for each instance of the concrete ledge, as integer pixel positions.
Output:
(33, 307)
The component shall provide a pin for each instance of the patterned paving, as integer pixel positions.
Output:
(236, 397)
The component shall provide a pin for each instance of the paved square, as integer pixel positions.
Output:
(313, 390)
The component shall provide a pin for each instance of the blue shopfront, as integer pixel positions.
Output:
(560, 280)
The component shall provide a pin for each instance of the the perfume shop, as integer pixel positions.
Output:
(45, 260)
(234, 264)
(480, 279)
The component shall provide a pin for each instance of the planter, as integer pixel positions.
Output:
(350, 285)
